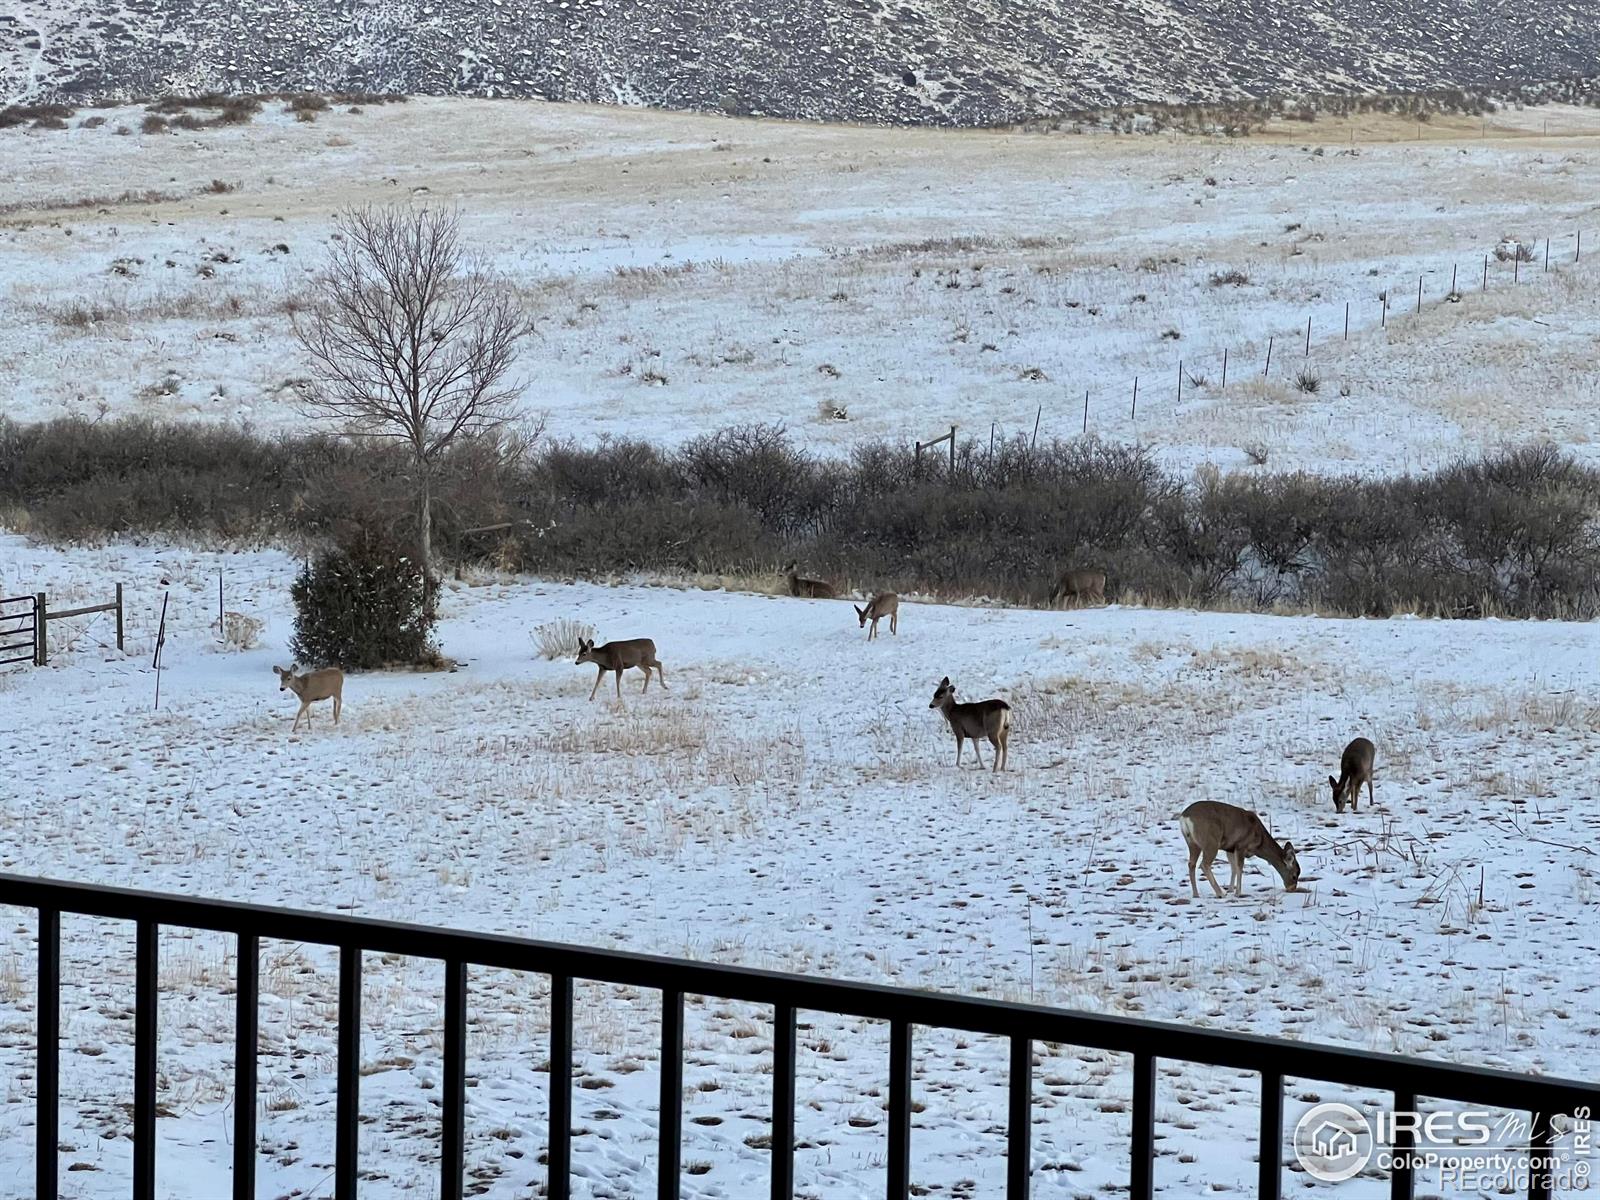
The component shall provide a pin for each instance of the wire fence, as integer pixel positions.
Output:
(1289, 355)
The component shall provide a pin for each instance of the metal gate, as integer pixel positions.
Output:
(19, 630)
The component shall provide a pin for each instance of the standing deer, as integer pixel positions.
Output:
(1081, 587)
(808, 589)
(984, 719)
(619, 657)
(1355, 768)
(326, 684)
(1210, 825)
(884, 604)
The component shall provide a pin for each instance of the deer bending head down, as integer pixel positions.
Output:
(620, 657)
(1080, 587)
(884, 604)
(1355, 768)
(989, 719)
(807, 588)
(1210, 825)
(326, 684)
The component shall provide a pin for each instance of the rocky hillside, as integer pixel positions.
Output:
(959, 62)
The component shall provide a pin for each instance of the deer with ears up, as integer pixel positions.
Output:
(989, 719)
(620, 657)
(326, 684)
(1355, 768)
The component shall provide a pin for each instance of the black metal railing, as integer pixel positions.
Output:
(1023, 1024)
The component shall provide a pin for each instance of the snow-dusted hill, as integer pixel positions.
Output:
(938, 61)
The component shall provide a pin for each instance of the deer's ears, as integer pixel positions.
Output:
(585, 643)
(1332, 782)
(279, 671)
(945, 682)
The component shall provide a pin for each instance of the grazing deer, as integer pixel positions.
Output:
(1081, 587)
(884, 604)
(808, 589)
(326, 684)
(984, 719)
(1355, 768)
(1210, 825)
(619, 657)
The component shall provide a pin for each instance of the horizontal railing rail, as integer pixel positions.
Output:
(1147, 1042)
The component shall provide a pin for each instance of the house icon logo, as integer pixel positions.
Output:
(1333, 1142)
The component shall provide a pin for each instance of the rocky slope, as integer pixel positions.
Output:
(962, 62)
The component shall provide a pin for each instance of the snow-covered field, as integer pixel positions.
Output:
(688, 272)
(791, 802)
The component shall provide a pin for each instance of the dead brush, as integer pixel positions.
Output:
(559, 638)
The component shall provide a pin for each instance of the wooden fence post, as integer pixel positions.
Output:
(1224, 383)
(1419, 295)
(1308, 337)
(1133, 413)
(119, 616)
(952, 452)
(41, 649)
(1267, 370)
(1086, 410)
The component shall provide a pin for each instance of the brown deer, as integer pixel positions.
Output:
(984, 719)
(884, 604)
(1210, 825)
(808, 589)
(1080, 587)
(1355, 768)
(326, 684)
(619, 657)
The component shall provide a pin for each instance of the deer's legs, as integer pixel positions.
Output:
(646, 671)
(894, 622)
(619, 685)
(1194, 857)
(999, 751)
(338, 703)
(601, 674)
(661, 676)
(1236, 865)
(977, 748)
(1370, 800)
(1205, 865)
(958, 749)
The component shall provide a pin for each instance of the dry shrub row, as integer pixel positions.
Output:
(1516, 533)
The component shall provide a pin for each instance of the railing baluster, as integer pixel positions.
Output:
(1142, 1164)
(1401, 1177)
(246, 1025)
(1270, 1157)
(1541, 1137)
(899, 1109)
(783, 1055)
(1019, 1130)
(47, 1081)
(453, 1137)
(670, 1173)
(144, 1062)
(559, 1185)
(348, 1103)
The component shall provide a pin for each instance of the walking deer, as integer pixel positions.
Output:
(325, 684)
(1355, 768)
(620, 657)
(1081, 587)
(808, 589)
(1210, 825)
(983, 719)
(884, 604)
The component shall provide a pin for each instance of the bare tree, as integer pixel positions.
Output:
(411, 340)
